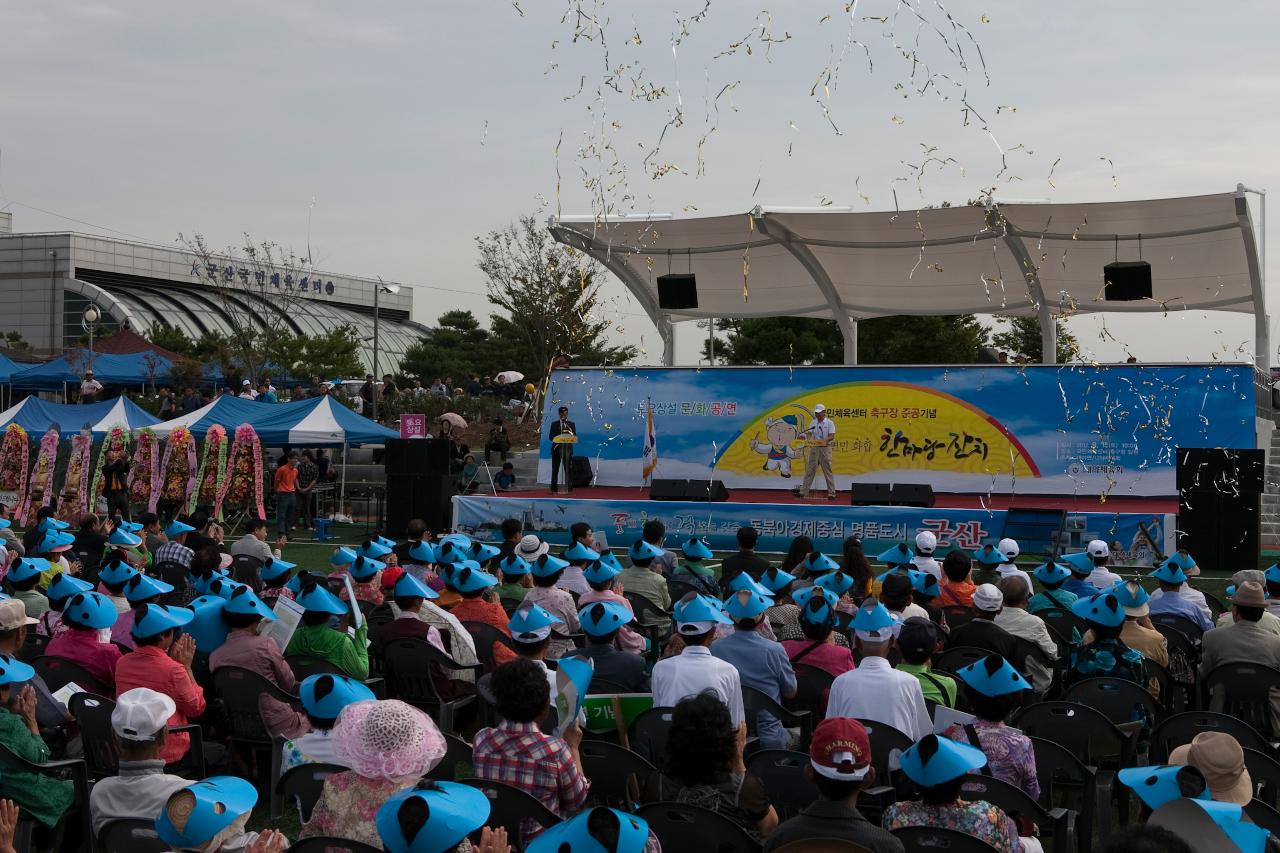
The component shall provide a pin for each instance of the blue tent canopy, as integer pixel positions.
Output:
(8, 367)
(137, 368)
(314, 422)
(35, 415)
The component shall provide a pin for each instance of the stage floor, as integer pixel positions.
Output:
(1070, 503)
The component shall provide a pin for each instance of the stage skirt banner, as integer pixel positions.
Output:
(1058, 430)
(1136, 539)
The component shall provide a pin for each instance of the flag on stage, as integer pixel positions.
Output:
(650, 444)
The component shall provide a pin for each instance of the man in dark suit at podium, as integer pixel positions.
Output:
(562, 454)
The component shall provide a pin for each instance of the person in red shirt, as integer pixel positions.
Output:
(818, 648)
(286, 488)
(87, 616)
(162, 662)
(468, 580)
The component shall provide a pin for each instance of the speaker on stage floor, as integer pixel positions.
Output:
(580, 473)
(425, 496)
(1219, 505)
(416, 456)
(869, 494)
(911, 494)
(667, 489)
(706, 490)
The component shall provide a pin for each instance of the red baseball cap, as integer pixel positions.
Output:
(840, 749)
(390, 575)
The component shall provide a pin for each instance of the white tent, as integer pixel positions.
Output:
(1041, 260)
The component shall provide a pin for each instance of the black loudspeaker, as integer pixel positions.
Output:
(1219, 505)
(580, 474)
(911, 494)
(1126, 281)
(425, 496)
(667, 490)
(706, 490)
(869, 494)
(677, 292)
(416, 456)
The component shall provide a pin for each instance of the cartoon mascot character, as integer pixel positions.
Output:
(781, 433)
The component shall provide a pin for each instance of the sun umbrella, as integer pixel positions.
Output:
(454, 419)
(506, 377)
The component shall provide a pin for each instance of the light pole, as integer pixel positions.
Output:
(89, 319)
(379, 289)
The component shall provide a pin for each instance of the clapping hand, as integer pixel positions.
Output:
(9, 823)
(491, 841)
(183, 650)
(268, 841)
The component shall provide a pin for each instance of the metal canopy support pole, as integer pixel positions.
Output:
(668, 333)
(787, 239)
(1257, 274)
(342, 493)
(1031, 274)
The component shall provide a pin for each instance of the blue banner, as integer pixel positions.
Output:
(977, 429)
(1135, 538)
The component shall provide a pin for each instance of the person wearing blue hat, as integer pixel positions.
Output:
(323, 698)
(473, 583)
(644, 578)
(38, 795)
(919, 640)
(546, 570)
(817, 563)
(602, 578)
(483, 553)
(603, 622)
(580, 553)
(695, 669)
(275, 576)
(818, 643)
(1081, 566)
(514, 579)
(993, 690)
(762, 663)
(365, 573)
(174, 549)
(61, 588)
(531, 628)
(138, 590)
(1051, 575)
(314, 638)
(938, 766)
(372, 549)
(693, 575)
(410, 596)
(23, 578)
(598, 830)
(1106, 655)
(434, 817)
(783, 615)
(897, 556)
(1160, 784)
(419, 552)
(875, 690)
(1176, 596)
(211, 814)
(113, 575)
(86, 615)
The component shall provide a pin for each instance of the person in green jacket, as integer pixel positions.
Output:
(314, 638)
(40, 797)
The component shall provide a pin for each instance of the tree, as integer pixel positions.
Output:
(1022, 338)
(171, 338)
(550, 293)
(883, 340)
(15, 341)
(778, 340)
(334, 353)
(458, 348)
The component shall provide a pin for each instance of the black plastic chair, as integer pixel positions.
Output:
(1190, 629)
(457, 756)
(1178, 643)
(485, 635)
(651, 621)
(1263, 815)
(409, 664)
(821, 845)
(1066, 623)
(1245, 692)
(1265, 773)
(605, 687)
(1114, 697)
(612, 769)
(321, 844)
(131, 836)
(781, 771)
(958, 614)
(1175, 696)
(93, 717)
(812, 688)
(304, 666)
(1181, 728)
(239, 689)
(915, 838)
(955, 659)
(303, 785)
(648, 734)
(754, 702)
(33, 647)
(247, 569)
(1059, 823)
(1061, 772)
(510, 806)
(59, 672)
(683, 827)
(74, 767)
(176, 575)
(885, 742)
(1216, 607)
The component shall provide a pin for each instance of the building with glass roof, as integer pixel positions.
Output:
(47, 279)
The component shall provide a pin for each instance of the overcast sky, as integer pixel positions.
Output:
(404, 129)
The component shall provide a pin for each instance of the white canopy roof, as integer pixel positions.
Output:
(1013, 259)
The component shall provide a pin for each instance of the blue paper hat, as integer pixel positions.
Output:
(343, 557)
(609, 559)
(873, 621)
(385, 542)
(1183, 560)
(450, 551)
(151, 620)
(317, 599)
(1170, 572)
(407, 586)
(896, 570)
(776, 580)
(50, 523)
(818, 609)
(483, 552)
(1157, 785)
(1051, 572)
(989, 555)
(925, 584)
(422, 552)
(993, 676)
(140, 587)
(574, 835)
(1102, 609)
(696, 610)
(467, 576)
(816, 563)
(245, 602)
(1080, 562)
(1272, 574)
(222, 587)
(4, 522)
(274, 569)
(513, 565)
(373, 550)
(55, 541)
(600, 572)
(1230, 818)
(64, 586)
(91, 609)
(898, 555)
(14, 671)
(116, 571)
(122, 538)
(437, 815)
(802, 596)
(364, 568)
(459, 540)
(579, 553)
(210, 806)
(28, 568)
(935, 760)
(531, 623)
(131, 526)
(547, 565)
(602, 618)
(696, 549)
(176, 528)
(1135, 597)
(743, 581)
(746, 605)
(324, 696)
(837, 581)
(202, 583)
(207, 627)
(642, 550)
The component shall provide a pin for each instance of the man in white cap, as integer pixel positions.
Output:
(1101, 577)
(875, 690)
(1010, 549)
(982, 632)
(818, 452)
(926, 544)
(695, 669)
(139, 792)
(246, 390)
